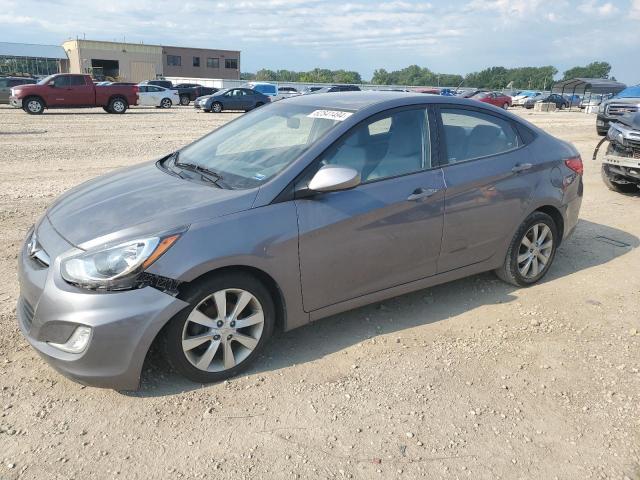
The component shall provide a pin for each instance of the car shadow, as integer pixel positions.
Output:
(131, 111)
(591, 245)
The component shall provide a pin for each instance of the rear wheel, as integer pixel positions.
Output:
(230, 319)
(117, 105)
(216, 107)
(166, 103)
(531, 251)
(184, 100)
(33, 105)
(607, 178)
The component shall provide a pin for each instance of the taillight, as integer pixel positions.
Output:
(575, 164)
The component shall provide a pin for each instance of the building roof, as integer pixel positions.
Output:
(32, 50)
(593, 85)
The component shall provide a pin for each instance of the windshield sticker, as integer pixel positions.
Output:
(259, 176)
(336, 115)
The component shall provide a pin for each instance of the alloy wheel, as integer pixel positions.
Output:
(535, 250)
(118, 106)
(34, 106)
(217, 108)
(165, 103)
(223, 330)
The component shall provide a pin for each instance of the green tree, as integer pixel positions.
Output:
(593, 70)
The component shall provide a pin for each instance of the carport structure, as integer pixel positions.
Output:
(599, 86)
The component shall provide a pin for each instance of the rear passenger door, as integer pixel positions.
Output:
(490, 180)
(79, 94)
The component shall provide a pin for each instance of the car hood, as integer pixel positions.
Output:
(139, 200)
(629, 100)
(26, 87)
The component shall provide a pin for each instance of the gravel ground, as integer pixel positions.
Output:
(472, 379)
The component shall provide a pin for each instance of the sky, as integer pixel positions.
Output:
(452, 36)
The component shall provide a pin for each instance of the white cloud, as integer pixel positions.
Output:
(592, 7)
(635, 10)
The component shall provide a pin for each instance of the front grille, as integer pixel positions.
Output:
(27, 313)
(621, 109)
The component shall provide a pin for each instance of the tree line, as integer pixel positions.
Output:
(493, 77)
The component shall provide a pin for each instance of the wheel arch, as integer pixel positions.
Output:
(267, 280)
(117, 96)
(557, 217)
(35, 95)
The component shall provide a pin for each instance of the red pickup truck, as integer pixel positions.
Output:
(72, 91)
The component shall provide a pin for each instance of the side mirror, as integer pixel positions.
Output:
(333, 178)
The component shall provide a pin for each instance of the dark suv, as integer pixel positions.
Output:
(7, 83)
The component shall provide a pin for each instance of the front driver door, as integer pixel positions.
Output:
(383, 233)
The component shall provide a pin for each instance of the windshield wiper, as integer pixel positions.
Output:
(205, 173)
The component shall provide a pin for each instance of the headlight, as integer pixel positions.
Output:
(116, 267)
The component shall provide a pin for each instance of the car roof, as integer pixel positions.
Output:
(354, 100)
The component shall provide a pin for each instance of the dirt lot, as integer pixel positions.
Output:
(473, 379)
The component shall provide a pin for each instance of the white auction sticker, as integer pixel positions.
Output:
(330, 115)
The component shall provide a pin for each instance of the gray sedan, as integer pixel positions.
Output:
(299, 210)
(231, 99)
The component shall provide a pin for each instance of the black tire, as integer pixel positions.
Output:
(184, 100)
(33, 105)
(117, 105)
(166, 103)
(626, 188)
(172, 339)
(505, 106)
(216, 107)
(562, 106)
(509, 271)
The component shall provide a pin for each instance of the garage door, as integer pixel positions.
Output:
(142, 71)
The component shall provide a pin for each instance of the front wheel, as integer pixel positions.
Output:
(531, 251)
(166, 103)
(33, 106)
(614, 186)
(505, 106)
(184, 100)
(216, 107)
(230, 319)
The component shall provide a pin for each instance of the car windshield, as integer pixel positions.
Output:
(630, 92)
(254, 148)
(45, 80)
(480, 95)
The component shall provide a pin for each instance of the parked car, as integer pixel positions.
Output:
(625, 102)
(7, 83)
(296, 211)
(574, 100)
(232, 99)
(72, 91)
(469, 93)
(287, 91)
(559, 100)
(187, 91)
(431, 91)
(308, 90)
(523, 96)
(155, 96)
(494, 98)
(338, 88)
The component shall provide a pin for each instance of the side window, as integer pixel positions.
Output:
(60, 82)
(76, 81)
(142, 88)
(388, 145)
(470, 134)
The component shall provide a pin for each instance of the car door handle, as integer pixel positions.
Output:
(420, 193)
(521, 167)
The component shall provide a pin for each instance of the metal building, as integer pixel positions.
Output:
(135, 62)
(32, 59)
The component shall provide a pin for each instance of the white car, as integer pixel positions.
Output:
(522, 97)
(155, 96)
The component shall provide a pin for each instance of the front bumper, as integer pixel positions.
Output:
(15, 102)
(123, 324)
